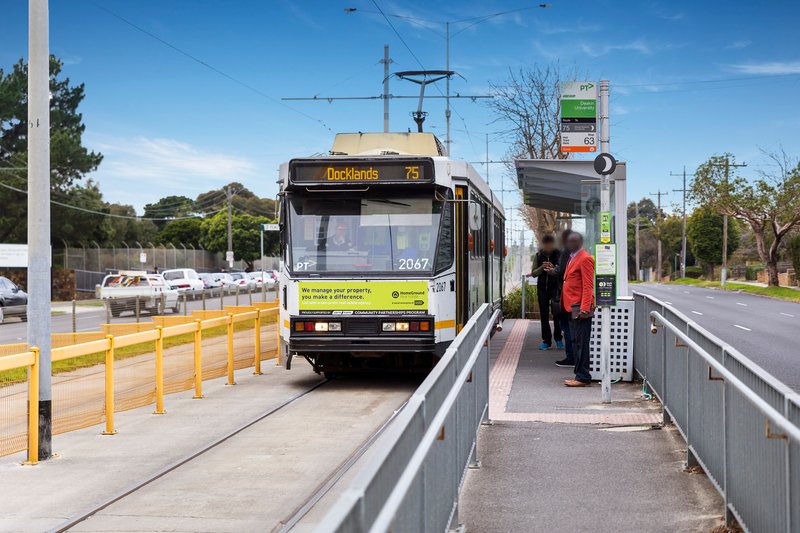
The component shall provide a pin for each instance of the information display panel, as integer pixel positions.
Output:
(360, 171)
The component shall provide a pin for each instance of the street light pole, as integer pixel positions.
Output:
(39, 211)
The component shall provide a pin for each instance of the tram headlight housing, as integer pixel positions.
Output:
(413, 326)
(317, 326)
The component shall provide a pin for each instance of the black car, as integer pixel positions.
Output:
(13, 300)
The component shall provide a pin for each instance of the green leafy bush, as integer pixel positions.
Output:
(751, 273)
(694, 272)
(512, 303)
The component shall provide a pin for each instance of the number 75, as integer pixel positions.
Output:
(412, 173)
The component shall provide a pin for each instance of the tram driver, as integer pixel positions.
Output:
(339, 241)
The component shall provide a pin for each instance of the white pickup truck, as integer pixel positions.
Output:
(152, 291)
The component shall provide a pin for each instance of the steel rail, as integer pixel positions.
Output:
(766, 409)
(384, 519)
(180, 462)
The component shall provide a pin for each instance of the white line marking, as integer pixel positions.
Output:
(787, 314)
(668, 303)
(710, 297)
(686, 292)
(740, 303)
(742, 327)
(697, 313)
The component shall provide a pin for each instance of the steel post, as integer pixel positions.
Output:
(605, 206)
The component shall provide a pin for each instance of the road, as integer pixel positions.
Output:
(15, 331)
(763, 329)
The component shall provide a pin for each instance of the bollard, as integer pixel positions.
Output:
(230, 350)
(185, 304)
(138, 310)
(250, 294)
(237, 293)
(159, 372)
(108, 311)
(198, 360)
(74, 318)
(222, 298)
(33, 410)
(257, 361)
(109, 408)
(162, 304)
(204, 299)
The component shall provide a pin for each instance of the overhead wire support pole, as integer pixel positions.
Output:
(447, 89)
(724, 271)
(683, 227)
(386, 61)
(39, 211)
(659, 194)
(605, 206)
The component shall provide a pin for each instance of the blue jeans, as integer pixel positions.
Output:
(565, 329)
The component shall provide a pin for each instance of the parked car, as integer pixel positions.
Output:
(13, 300)
(242, 279)
(227, 281)
(184, 280)
(152, 291)
(210, 281)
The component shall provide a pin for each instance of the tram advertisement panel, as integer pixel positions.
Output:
(363, 297)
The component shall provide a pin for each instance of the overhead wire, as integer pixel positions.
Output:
(209, 66)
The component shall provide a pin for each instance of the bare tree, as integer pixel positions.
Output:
(528, 105)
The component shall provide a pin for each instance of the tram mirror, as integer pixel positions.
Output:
(474, 216)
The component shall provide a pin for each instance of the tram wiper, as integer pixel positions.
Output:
(384, 201)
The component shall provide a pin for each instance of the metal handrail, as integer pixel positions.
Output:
(384, 519)
(765, 408)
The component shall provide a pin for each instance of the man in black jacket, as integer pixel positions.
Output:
(546, 258)
(556, 273)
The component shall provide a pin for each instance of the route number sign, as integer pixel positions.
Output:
(579, 116)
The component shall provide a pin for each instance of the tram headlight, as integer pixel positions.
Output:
(388, 326)
(413, 326)
(313, 326)
(321, 326)
(334, 326)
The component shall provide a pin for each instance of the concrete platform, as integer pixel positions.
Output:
(558, 459)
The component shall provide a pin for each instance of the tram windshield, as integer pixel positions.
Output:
(336, 234)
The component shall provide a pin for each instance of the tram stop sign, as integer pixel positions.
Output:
(605, 164)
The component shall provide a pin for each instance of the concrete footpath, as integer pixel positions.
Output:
(558, 459)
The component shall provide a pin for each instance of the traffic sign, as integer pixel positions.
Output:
(579, 116)
(605, 164)
(270, 227)
(229, 257)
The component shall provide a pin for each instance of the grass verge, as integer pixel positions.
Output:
(781, 293)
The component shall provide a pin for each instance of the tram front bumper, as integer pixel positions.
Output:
(361, 344)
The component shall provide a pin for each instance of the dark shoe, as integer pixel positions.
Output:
(566, 363)
(575, 383)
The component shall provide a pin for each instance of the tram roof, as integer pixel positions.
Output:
(419, 144)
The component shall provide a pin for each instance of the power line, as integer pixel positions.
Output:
(389, 22)
(209, 66)
(714, 80)
(112, 215)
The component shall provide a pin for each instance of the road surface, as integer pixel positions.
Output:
(764, 329)
(15, 331)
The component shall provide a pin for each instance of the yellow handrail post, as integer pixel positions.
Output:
(257, 362)
(198, 360)
(110, 387)
(159, 372)
(230, 350)
(33, 410)
(278, 336)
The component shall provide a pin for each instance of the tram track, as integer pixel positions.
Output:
(124, 493)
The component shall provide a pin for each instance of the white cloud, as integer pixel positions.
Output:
(775, 68)
(738, 45)
(635, 46)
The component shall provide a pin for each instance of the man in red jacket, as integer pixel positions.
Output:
(577, 299)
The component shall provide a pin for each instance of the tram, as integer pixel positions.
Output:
(388, 247)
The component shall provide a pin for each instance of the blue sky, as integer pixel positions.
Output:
(168, 125)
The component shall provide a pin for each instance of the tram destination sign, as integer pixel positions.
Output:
(361, 171)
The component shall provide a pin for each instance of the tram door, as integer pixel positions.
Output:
(462, 257)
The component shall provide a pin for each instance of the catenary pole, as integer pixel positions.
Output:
(605, 206)
(447, 85)
(39, 211)
(386, 62)
(229, 197)
(638, 262)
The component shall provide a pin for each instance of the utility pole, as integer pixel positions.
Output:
(659, 194)
(487, 160)
(638, 262)
(39, 211)
(386, 61)
(229, 196)
(447, 90)
(605, 206)
(724, 271)
(683, 228)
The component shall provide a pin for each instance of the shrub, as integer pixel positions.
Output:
(751, 273)
(512, 303)
(694, 272)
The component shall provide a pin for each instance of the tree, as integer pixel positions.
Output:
(182, 231)
(170, 207)
(246, 236)
(704, 234)
(670, 232)
(528, 104)
(70, 161)
(769, 204)
(129, 230)
(244, 201)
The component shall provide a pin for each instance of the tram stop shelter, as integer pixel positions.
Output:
(572, 188)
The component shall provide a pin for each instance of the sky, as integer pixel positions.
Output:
(185, 96)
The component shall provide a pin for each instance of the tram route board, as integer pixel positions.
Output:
(362, 171)
(579, 116)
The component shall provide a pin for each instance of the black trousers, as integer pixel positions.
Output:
(581, 330)
(544, 312)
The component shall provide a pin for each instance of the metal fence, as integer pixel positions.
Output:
(739, 422)
(413, 481)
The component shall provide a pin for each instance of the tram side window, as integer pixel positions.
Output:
(446, 251)
(479, 235)
(498, 237)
